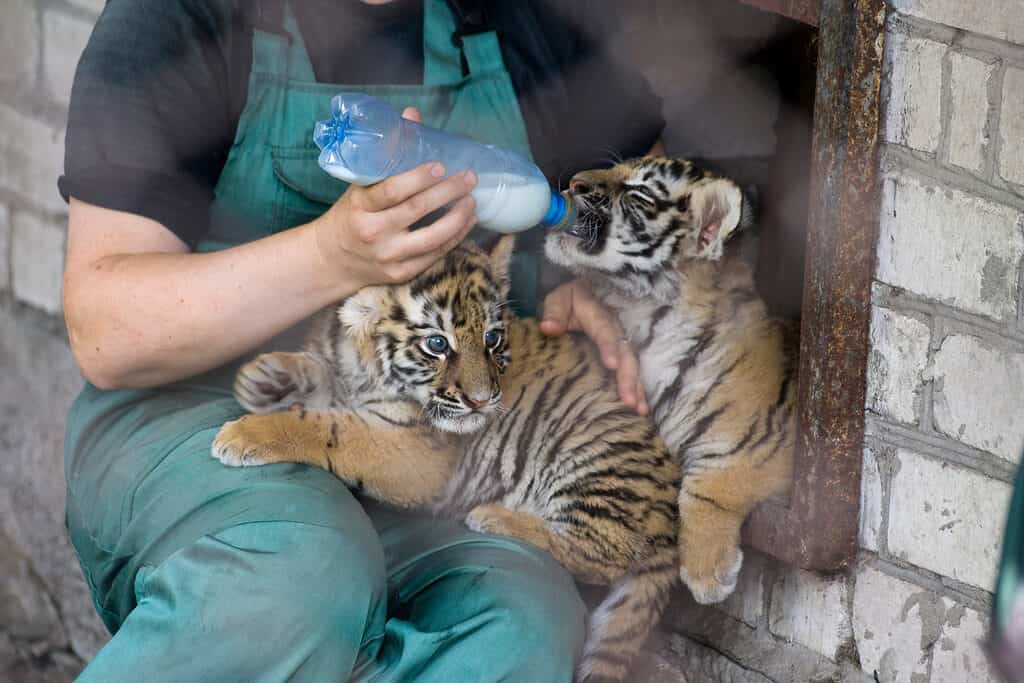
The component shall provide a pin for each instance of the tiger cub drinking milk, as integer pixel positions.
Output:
(719, 373)
(397, 385)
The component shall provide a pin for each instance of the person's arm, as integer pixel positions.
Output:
(141, 311)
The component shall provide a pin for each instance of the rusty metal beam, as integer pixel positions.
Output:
(819, 528)
(801, 10)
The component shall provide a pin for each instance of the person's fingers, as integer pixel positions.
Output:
(600, 325)
(413, 114)
(407, 270)
(431, 199)
(557, 309)
(398, 188)
(628, 375)
(642, 406)
(453, 225)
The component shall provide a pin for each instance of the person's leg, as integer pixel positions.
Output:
(473, 607)
(210, 573)
(263, 601)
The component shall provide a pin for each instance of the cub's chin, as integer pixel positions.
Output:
(460, 424)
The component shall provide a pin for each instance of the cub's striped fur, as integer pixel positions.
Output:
(396, 387)
(719, 373)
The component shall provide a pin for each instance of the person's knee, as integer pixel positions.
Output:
(540, 621)
(319, 579)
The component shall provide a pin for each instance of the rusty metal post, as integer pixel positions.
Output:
(819, 528)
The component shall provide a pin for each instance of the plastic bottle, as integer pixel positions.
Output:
(367, 140)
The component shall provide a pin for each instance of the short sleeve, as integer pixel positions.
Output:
(150, 120)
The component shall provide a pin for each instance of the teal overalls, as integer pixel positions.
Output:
(208, 573)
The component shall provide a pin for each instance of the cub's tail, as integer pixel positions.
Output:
(621, 623)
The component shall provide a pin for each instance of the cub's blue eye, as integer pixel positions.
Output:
(492, 337)
(436, 344)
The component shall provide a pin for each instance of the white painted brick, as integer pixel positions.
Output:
(899, 354)
(999, 18)
(913, 114)
(969, 110)
(1011, 127)
(747, 602)
(5, 248)
(64, 38)
(19, 43)
(811, 610)
(38, 262)
(959, 656)
(889, 626)
(978, 397)
(946, 519)
(949, 245)
(870, 502)
(31, 158)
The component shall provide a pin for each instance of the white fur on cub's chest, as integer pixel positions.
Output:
(671, 339)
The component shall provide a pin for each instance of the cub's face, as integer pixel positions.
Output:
(442, 339)
(640, 219)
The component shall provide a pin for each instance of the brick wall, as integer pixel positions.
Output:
(48, 627)
(944, 434)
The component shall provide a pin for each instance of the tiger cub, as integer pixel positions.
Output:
(719, 373)
(396, 387)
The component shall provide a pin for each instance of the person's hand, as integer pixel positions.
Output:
(366, 235)
(572, 307)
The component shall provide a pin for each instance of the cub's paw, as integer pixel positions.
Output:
(238, 444)
(274, 381)
(713, 582)
(488, 519)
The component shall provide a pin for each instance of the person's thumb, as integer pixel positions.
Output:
(413, 114)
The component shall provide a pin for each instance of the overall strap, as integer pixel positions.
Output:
(278, 48)
(459, 41)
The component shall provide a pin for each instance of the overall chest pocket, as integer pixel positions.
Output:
(305, 190)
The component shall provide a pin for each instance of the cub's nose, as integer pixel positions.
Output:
(578, 186)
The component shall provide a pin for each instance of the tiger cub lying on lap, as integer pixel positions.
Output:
(396, 386)
(719, 373)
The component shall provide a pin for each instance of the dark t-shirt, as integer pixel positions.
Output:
(162, 83)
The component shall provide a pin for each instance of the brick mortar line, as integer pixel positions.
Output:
(945, 109)
(19, 202)
(791, 649)
(880, 431)
(993, 120)
(1005, 335)
(967, 42)
(976, 598)
(8, 285)
(50, 324)
(884, 460)
(720, 651)
(896, 157)
(926, 423)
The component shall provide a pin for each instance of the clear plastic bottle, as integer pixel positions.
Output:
(366, 140)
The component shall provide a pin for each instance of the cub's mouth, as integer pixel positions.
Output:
(589, 229)
(457, 419)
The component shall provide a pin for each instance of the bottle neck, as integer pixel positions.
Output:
(562, 212)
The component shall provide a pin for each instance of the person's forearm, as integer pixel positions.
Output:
(146, 319)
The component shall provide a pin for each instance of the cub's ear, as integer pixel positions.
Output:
(362, 311)
(501, 259)
(717, 208)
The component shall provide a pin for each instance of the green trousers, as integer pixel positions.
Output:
(209, 573)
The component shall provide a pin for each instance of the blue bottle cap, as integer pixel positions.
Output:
(561, 213)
